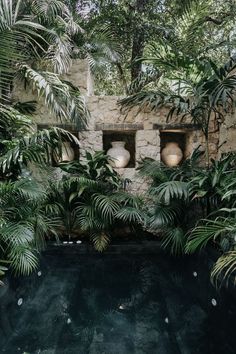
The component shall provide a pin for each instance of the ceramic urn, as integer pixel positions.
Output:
(171, 154)
(119, 155)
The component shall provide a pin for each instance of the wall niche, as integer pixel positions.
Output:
(127, 136)
(70, 129)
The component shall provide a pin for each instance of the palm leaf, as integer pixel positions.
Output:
(130, 215)
(163, 215)
(210, 230)
(106, 205)
(170, 190)
(23, 259)
(100, 241)
(174, 240)
(225, 268)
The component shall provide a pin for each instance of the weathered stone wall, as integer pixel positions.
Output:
(227, 136)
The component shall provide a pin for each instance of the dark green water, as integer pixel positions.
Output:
(117, 304)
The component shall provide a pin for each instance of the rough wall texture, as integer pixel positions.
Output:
(227, 141)
(106, 115)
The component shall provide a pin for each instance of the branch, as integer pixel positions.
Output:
(217, 21)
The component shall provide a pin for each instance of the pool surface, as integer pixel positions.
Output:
(116, 304)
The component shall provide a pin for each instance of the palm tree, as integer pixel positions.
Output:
(219, 229)
(36, 46)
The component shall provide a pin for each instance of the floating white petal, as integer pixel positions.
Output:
(20, 301)
(214, 302)
(121, 307)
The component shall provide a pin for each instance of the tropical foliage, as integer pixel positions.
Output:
(170, 31)
(35, 48)
(91, 201)
(23, 224)
(180, 197)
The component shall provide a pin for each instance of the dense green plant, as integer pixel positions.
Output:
(35, 48)
(179, 197)
(22, 145)
(95, 167)
(167, 202)
(91, 201)
(23, 224)
(219, 226)
(219, 231)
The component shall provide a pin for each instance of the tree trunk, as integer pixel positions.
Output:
(138, 39)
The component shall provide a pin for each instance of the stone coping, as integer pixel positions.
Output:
(119, 126)
(179, 126)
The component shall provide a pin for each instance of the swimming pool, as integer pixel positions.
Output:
(116, 303)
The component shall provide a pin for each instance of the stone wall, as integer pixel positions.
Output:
(106, 115)
(227, 137)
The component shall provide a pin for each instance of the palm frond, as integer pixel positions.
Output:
(49, 9)
(174, 240)
(102, 47)
(17, 233)
(225, 269)
(63, 99)
(20, 40)
(23, 259)
(100, 241)
(162, 216)
(130, 214)
(36, 147)
(106, 205)
(211, 230)
(170, 190)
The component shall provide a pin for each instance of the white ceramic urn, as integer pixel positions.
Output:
(119, 155)
(171, 154)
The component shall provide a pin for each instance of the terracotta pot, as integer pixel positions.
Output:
(119, 155)
(171, 154)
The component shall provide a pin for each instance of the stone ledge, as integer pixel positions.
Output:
(119, 126)
(183, 126)
(69, 127)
